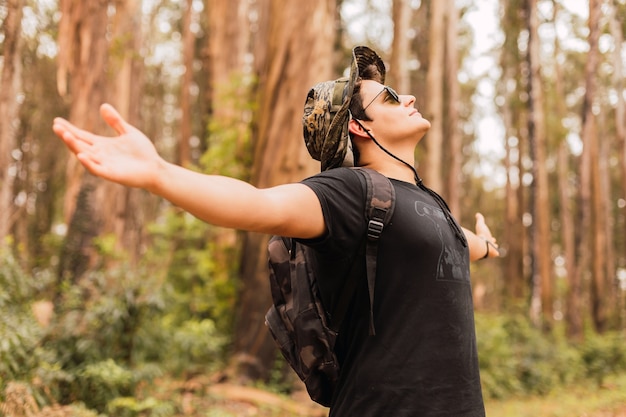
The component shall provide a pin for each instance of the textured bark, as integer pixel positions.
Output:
(398, 75)
(184, 153)
(592, 241)
(620, 119)
(573, 297)
(81, 77)
(299, 54)
(10, 85)
(541, 250)
(514, 115)
(434, 92)
(452, 131)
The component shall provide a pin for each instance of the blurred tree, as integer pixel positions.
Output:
(400, 49)
(10, 88)
(542, 308)
(573, 301)
(122, 207)
(188, 47)
(511, 100)
(98, 55)
(435, 96)
(620, 110)
(592, 245)
(452, 125)
(297, 54)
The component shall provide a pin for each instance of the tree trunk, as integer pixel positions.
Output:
(121, 208)
(514, 115)
(400, 49)
(299, 54)
(80, 75)
(605, 222)
(10, 85)
(452, 131)
(573, 297)
(542, 264)
(592, 241)
(82, 61)
(620, 114)
(434, 92)
(184, 153)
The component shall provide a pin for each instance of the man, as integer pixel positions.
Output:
(422, 360)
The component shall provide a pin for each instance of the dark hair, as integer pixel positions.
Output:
(356, 103)
(357, 112)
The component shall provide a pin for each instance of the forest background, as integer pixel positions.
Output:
(108, 295)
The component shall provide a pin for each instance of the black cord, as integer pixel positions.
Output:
(420, 183)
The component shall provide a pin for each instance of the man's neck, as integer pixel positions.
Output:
(394, 169)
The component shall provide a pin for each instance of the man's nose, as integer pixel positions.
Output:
(407, 99)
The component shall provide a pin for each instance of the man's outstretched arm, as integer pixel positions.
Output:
(481, 243)
(131, 159)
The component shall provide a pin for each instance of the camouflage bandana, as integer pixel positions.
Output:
(326, 112)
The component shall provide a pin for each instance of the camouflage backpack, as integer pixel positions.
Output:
(297, 319)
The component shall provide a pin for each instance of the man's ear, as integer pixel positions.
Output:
(357, 129)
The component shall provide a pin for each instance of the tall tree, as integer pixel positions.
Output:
(620, 107)
(82, 58)
(299, 54)
(573, 297)
(513, 110)
(121, 208)
(10, 84)
(435, 94)
(400, 48)
(188, 38)
(541, 250)
(593, 234)
(452, 131)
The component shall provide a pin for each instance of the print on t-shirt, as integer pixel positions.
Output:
(451, 262)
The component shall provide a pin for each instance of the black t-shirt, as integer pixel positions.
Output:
(422, 360)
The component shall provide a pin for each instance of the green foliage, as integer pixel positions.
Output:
(604, 355)
(131, 407)
(229, 143)
(195, 346)
(202, 263)
(516, 358)
(22, 354)
(99, 383)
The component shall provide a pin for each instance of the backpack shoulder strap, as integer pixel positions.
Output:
(381, 198)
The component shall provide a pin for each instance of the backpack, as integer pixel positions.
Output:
(297, 320)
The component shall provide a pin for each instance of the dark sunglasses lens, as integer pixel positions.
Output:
(393, 94)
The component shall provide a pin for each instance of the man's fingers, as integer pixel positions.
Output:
(75, 139)
(113, 118)
(62, 127)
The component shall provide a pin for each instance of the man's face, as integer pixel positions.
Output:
(393, 117)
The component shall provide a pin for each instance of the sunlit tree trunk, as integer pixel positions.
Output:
(188, 38)
(593, 241)
(82, 59)
(620, 114)
(434, 92)
(606, 221)
(542, 269)
(80, 75)
(514, 111)
(10, 85)
(299, 54)
(121, 208)
(420, 23)
(400, 49)
(453, 97)
(573, 301)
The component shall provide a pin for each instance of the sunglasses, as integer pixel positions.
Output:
(391, 93)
